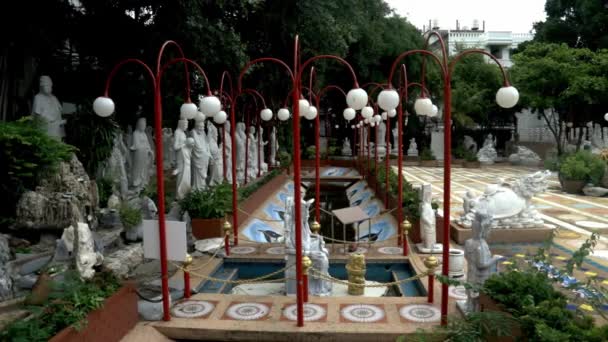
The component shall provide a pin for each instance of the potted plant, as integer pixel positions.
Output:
(578, 169)
(207, 209)
(471, 161)
(427, 158)
(131, 219)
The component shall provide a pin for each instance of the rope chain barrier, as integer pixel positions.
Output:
(260, 279)
(318, 274)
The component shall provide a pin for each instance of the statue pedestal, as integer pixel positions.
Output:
(437, 248)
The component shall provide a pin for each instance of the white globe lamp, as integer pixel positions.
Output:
(507, 97)
(423, 106)
(188, 110)
(210, 105)
(311, 114)
(349, 114)
(388, 99)
(434, 111)
(103, 106)
(392, 113)
(303, 107)
(283, 114)
(356, 98)
(266, 114)
(220, 117)
(367, 112)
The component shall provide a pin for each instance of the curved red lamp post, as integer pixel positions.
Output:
(156, 82)
(446, 71)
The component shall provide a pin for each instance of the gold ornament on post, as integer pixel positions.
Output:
(227, 227)
(188, 261)
(316, 227)
(406, 226)
(431, 264)
(356, 274)
(306, 263)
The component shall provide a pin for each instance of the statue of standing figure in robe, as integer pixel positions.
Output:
(261, 144)
(48, 108)
(200, 156)
(215, 163)
(252, 157)
(227, 146)
(183, 149)
(240, 152)
(274, 146)
(142, 156)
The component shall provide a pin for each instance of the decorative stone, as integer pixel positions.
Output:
(6, 282)
(151, 311)
(208, 245)
(34, 265)
(247, 311)
(124, 260)
(524, 156)
(487, 154)
(362, 313)
(62, 198)
(84, 251)
(595, 191)
(470, 144)
(27, 281)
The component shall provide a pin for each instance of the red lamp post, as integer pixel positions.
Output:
(104, 107)
(507, 97)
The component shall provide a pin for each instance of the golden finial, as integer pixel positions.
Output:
(316, 227)
(431, 263)
(306, 263)
(188, 260)
(227, 227)
(406, 226)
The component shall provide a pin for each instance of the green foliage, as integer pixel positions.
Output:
(471, 157)
(210, 203)
(129, 216)
(474, 327)
(582, 166)
(104, 189)
(27, 154)
(284, 159)
(459, 152)
(410, 197)
(96, 145)
(68, 305)
(427, 154)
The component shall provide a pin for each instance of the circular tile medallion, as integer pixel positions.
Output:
(247, 311)
(458, 292)
(592, 224)
(192, 309)
(242, 250)
(362, 313)
(421, 313)
(276, 250)
(390, 250)
(360, 250)
(312, 312)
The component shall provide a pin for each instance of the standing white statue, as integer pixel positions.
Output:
(226, 147)
(261, 148)
(47, 107)
(168, 153)
(273, 146)
(395, 149)
(215, 163)
(252, 158)
(183, 149)
(479, 257)
(240, 151)
(412, 151)
(346, 150)
(114, 168)
(142, 156)
(428, 223)
(381, 138)
(200, 156)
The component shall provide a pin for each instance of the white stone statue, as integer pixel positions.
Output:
(168, 152)
(252, 154)
(479, 257)
(312, 246)
(215, 163)
(510, 203)
(226, 147)
(524, 156)
(412, 151)
(428, 223)
(487, 154)
(240, 151)
(381, 138)
(470, 144)
(346, 150)
(142, 156)
(200, 156)
(183, 149)
(114, 168)
(395, 149)
(81, 244)
(47, 107)
(274, 146)
(261, 144)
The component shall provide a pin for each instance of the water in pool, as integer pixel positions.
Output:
(380, 272)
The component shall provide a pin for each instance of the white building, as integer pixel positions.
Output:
(498, 43)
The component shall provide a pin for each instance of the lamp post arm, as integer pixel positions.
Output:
(226, 75)
(181, 53)
(459, 56)
(118, 66)
(186, 61)
(443, 68)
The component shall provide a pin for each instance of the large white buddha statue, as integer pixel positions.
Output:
(47, 107)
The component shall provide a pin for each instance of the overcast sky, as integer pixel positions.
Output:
(500, 15)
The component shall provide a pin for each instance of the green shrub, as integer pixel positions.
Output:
(410, 198)
(459, 152)
(246, 191)
(68, 305)
(129, 216)
(210, 203)
(470, 157)
(582, 166)
(104, 188)
(93, 136)
(27, 154)
(427, 154)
